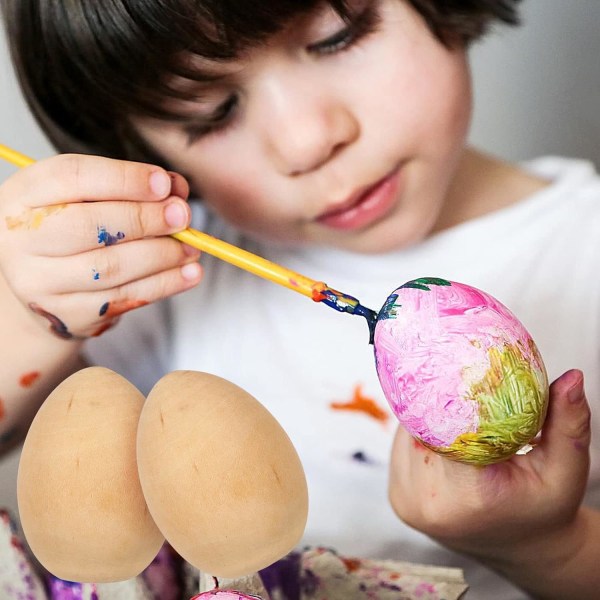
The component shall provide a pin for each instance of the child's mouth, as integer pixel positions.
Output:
(365, 207)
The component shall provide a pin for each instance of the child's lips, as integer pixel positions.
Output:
(365, 206)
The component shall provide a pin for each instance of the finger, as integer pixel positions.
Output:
(566, 433)
(90, 314)
(68, 178)
(423, 483)
(101, 269)
(179, 185)
(399, 474)
(411, 466)
(77, 228)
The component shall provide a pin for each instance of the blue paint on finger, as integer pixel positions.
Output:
(96, 275)
(108, 239)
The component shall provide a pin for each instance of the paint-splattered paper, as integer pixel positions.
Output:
(22, 579)
(315, 574)
(322, 574)
(18, 580)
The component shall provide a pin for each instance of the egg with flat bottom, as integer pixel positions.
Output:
(80, 501)
(460, 371)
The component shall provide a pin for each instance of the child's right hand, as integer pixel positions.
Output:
(522, 517)
(84, 239)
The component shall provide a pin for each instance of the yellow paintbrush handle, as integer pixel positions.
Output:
(227, 252)
(14, 157)
(249, 262)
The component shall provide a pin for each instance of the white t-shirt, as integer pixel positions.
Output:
(540, 257)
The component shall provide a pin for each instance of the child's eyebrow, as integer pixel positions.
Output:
(184, 111)
(194, 69)
(194, 83)
(177, 89)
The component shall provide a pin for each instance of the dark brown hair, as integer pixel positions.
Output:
(86, 66)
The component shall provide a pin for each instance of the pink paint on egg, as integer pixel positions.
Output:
(224, 595)
(435, 346)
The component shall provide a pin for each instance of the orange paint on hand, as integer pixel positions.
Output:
(362, 404)
(2, 411)
(104, 327)
(29, 379)
(33, 217)
(122, 306)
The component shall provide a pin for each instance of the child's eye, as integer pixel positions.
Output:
(361, 25)
(217, 121)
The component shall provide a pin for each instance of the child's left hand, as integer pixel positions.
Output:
(514, 515)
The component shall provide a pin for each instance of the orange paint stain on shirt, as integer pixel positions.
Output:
(364, 404)
(29, 379)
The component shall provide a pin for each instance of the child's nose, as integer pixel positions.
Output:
(305, 130)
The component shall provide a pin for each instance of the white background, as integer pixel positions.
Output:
(537, 91)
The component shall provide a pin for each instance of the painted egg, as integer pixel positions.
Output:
(80, 500)
(221, 477)
(224, 595)
(460, 371)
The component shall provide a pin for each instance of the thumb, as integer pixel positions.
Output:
(566, 433)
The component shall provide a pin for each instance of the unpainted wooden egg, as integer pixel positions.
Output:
(460, 371)
(80, 501)
(222, 479)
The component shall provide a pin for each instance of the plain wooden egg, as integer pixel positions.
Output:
(220, 475)
(80, 501)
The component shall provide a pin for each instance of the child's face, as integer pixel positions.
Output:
(332, 134)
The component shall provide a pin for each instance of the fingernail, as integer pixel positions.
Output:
(160, 183)
(179, 186)
(190, 271)
(575, 392)
(176, 215)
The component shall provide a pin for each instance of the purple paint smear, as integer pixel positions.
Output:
(107, 238)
